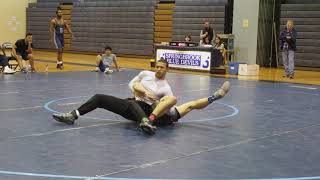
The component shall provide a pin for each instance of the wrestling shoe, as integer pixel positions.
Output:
(222, 91)
(67, 118)
(147, 127)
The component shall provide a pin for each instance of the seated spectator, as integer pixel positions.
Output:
(4, 63)
(105, 60)
(218, 43)
(206, 42)
(8, 51)
(187, 38)
(23, 50)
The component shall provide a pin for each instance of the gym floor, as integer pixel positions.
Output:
(260, 130)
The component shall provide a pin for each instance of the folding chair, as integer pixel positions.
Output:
(7, 51)
(3, 54)
(1, 68)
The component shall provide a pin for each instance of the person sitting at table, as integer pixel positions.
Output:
(206, 42)
(187, 38)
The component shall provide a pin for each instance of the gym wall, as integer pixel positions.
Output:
(13, 19)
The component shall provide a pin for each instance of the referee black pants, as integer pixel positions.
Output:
(127, 108)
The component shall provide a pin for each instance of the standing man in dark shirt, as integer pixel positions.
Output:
(288, 38)
(23, 50)
(207, 32)
(57, 26)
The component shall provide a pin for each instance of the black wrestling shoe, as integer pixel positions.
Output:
(147, 127)
(67, 118)
(60, 66)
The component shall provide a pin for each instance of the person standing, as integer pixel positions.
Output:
(288, 38)
(57, 26)
(207, 33)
